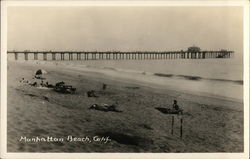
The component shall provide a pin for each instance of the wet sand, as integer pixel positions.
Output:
(210, 124)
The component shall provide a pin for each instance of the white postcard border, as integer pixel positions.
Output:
(5, 154)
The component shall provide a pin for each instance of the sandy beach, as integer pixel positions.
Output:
(210, 124)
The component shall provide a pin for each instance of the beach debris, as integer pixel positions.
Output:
(91, 93)
(105, 107)
(39, 73)
(145, 126)
(62, 88)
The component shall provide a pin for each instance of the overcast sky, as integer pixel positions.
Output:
(125, 28)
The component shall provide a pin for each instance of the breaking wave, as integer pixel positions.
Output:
(165, 75)
(197, 78)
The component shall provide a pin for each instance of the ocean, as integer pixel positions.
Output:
(217, 77)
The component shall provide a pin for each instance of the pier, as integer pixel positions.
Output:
(108, 55)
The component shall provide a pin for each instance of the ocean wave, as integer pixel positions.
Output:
(164, 75)
(123, 70)
(109, 68)
(197, 78)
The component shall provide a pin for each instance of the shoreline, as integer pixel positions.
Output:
(116, 77)
(210, 124)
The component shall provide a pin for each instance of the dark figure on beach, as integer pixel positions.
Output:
(49, 85)
(175, 106)
(91, 93)
(104, 86)
(62, 88)
(60, 83)
(42, 84)
(34, 84)
(174, 110)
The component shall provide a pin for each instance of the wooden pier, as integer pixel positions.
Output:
(139, 55)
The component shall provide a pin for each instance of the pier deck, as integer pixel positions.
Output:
(140, 55)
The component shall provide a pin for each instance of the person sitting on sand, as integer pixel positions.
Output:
(176, 107)
(42, 84)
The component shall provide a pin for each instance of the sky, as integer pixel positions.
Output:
(93, 28)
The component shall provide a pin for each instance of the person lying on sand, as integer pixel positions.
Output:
(49, 85)
(34, 84)
(60, 83)
(62, 88)
(105, 107)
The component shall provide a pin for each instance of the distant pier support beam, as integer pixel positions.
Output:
(35, 56)
(26, 56)
(62, 56)
(203, 55)
(78, 56)
(45, 56)
(119, 56)
(122, 55)
(16, 55)
(107, 56)
(87, 56)
(53, 56)
(101, 56)
(70, 56)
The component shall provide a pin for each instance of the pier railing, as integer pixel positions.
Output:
(108, 55)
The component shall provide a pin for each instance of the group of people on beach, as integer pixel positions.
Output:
(42, 84)
(174, 110)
